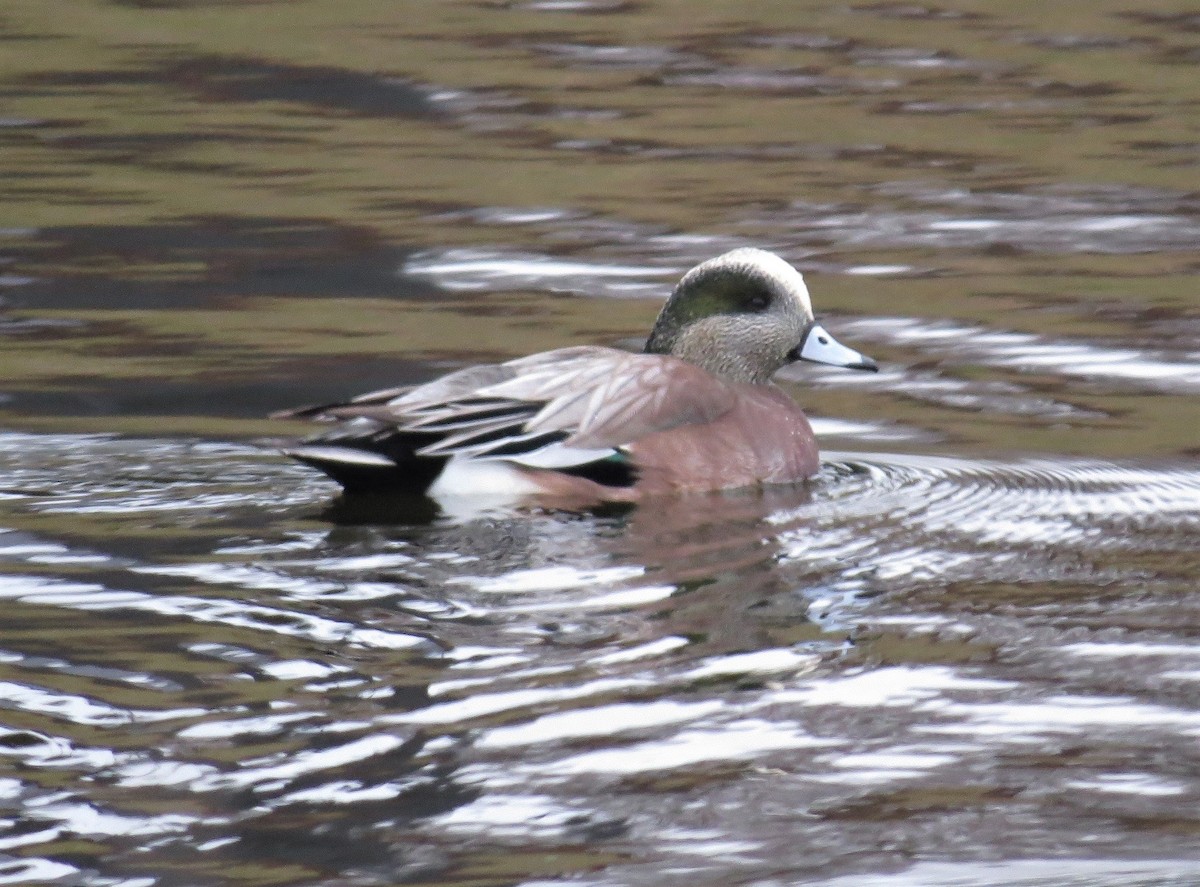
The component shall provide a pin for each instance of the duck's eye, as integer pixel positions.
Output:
(758, 302)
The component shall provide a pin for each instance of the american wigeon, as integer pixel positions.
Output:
(695, 411)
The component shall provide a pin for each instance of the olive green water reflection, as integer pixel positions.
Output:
(1030, 170)
(966, 655)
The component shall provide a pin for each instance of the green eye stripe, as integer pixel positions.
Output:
(720, 294)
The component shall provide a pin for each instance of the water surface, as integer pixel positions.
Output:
(965, 654)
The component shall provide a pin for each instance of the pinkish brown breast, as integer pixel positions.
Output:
(765, 438)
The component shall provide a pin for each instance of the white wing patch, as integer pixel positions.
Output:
(559, 455)
(342, 455)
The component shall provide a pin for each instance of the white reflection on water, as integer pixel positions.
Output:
(652, 649)
(276, 771)
(556, 578)
(143, 773)
(1027, 722)
(604, 720)
(262, 725)
(1070, 872)
(85, 819)
(740, 740)
(907, 686)
(35, 871)
(863, 430)
(1131, 648)
(890, 765)
(81, 710)
(510, 815)
(760, 662)
(1032, 353)
(473, 269)
(726, 671)
(42, 749)
(1065, 219)
(1144, 784)
(487, 704)
(36, 590)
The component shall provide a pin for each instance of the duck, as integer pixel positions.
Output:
(694, 411)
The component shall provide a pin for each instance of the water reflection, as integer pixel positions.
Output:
(963, 655)
(550, 680)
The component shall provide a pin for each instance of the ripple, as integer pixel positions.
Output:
(916, 670)
(867, 431)
(39, 749)
(983, 396)
(220, 78)
(1116, 220)
(81, 710)
(906, 631)
(673, 67)
(899, 686)
(775, 81)
(1122, 650)
(1028, 352)
(576, 6)
(924, 59)
(493, 110)
(866, 768)
(1032, 873)
(278, 771)
(1034, 486)
(618, 56)
(914, 520)
(890, 9)
(1130, 784)
(1031, 721)
(1081, 41)
(738, 741)
(598, 722)
(557, 578)
(511, 815)
(489, 704)
(270, 620)
(35, 870)
(468, 270)
(79, 818)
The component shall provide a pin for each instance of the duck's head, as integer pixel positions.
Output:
(742, 316)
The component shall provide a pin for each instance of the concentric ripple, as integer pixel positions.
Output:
(1039, 500)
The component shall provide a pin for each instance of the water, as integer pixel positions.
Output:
(964, 655)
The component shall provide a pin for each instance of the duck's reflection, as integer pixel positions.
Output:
(718, 564)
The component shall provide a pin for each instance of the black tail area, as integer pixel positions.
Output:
(367, 457)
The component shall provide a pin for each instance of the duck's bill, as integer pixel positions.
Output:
(820, 347)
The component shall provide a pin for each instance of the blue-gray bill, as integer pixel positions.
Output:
(820, 347)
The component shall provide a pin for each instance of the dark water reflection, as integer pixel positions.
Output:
(965, 655)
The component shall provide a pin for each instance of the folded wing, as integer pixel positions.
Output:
(571, 410)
